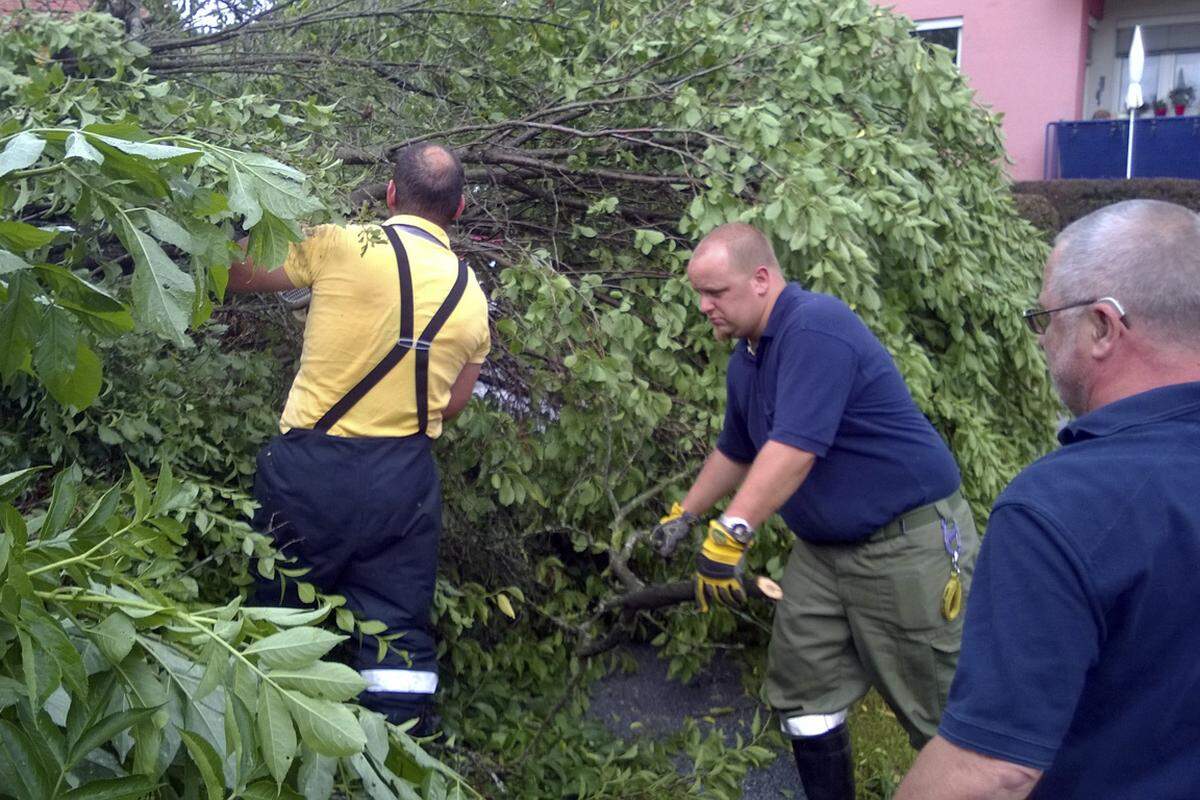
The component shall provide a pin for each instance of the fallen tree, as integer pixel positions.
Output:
(599, 146)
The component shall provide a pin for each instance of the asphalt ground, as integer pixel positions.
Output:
(713, 698)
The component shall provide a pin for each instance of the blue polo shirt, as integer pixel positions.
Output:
(820, 381)
(1081, 647)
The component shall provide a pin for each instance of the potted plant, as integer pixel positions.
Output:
(1160, 108)
(1181, 97)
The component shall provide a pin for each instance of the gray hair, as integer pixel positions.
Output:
(1144, 253)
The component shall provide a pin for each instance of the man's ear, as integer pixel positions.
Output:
(391, 196)
(762, 278)
(1105, 329)
(462, 204)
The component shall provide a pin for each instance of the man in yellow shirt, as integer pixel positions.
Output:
(396, 333)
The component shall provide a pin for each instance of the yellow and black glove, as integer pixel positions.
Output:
(671, 529)
(720, 562)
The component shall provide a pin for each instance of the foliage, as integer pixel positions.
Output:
(116, 678)
(111, 193)
(598, 146)
(110, 687)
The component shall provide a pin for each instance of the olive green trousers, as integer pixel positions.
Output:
(869, 614)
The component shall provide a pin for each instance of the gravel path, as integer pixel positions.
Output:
(647, 696)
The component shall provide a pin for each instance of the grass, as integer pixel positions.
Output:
(882, 754)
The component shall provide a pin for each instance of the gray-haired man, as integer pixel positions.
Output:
(1078, 676)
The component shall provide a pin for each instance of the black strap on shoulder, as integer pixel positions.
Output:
(405, 341)
(427, 336)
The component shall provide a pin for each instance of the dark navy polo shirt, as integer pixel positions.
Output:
(820, 381)
(1081, 650)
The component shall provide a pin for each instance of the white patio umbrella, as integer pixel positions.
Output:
(1133, 98)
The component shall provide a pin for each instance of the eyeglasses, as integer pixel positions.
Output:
(1038, 319)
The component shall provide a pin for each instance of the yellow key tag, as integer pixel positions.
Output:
(952, 598)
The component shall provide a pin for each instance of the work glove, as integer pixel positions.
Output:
(719, 566)
(671, 528)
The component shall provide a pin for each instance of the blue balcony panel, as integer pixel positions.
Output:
(1163, 147)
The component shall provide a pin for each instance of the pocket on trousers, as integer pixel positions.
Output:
(917, 584)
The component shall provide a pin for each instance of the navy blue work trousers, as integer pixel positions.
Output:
(364, 515)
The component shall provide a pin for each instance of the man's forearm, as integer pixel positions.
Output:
(775, 475)
(944, 771)
(719, 476)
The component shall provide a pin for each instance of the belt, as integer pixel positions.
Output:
(910, 520)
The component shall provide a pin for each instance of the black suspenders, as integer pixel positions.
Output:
(406, 342)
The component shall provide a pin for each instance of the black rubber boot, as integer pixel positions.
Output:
(825, 766)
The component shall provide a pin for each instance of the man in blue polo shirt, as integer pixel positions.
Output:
(820, 427)
(1080, 673)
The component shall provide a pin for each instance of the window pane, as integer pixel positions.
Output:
(1187, 73)
(944, 37)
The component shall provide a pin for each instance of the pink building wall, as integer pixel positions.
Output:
(1024, 58)
(45, 6)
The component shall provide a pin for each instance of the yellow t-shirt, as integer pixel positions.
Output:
(354, 320)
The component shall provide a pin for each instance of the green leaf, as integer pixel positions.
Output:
(58, 341)
(294, 648)
(21, 236)
(18, 323)
(12, 482)
(375, 729)
(265, 790)
(241, 198)
(208, 762)
(154, 152)
(322, 679)
(24, 773)
(115, 636)
(375, 786)
(327, 727)
(140, 490)
(204, 715)
(270, 240)
(10, 692)
(216, 664)
(286, 617)
(277, 192)
(22, 151)
(75, 293)
(81, 386)
(11, 263)
(277, 738)
(141, 173)
(100, 512)
(315, 778)
(105, 730)
(162, 293)
(62, 502)
(79, 147)
(168, 230)
(133, 787)
(50, 637)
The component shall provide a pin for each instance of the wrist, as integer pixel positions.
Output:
(739, 528)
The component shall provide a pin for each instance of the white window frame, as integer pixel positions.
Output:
(942, 24)
(1166, 78)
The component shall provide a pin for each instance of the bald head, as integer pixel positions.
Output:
(743, 247)
(429, 182)
(1144, 253)
(737, 278)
